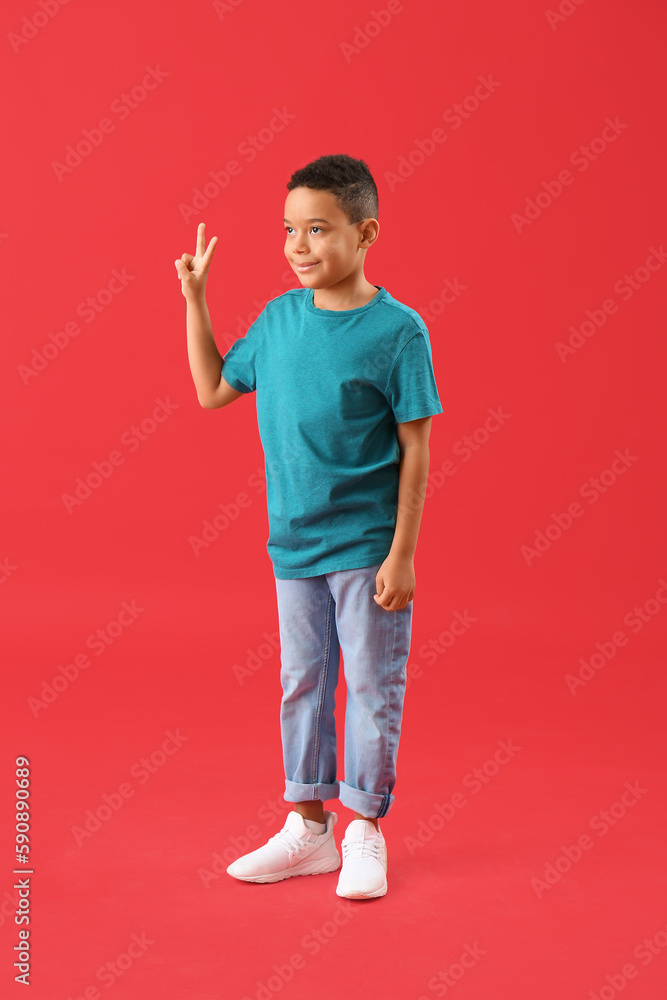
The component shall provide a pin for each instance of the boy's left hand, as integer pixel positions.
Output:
(395, 583)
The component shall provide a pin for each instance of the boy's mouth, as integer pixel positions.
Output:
(306, 267)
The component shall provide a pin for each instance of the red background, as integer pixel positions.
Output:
(178, 666)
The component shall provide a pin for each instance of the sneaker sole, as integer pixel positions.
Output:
(382, 891)
(323, 868)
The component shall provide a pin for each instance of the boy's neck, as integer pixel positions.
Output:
(345, 296)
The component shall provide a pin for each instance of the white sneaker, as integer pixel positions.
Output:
(364, 871)
(296, 850)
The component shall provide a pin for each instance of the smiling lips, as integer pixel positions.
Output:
(307, 266)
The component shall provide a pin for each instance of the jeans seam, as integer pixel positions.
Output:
(392, 688)
(322, 690)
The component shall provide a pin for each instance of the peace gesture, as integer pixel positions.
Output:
(193, 271)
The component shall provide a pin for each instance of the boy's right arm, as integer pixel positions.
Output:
(204, 357)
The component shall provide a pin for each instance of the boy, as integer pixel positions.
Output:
(345, 395)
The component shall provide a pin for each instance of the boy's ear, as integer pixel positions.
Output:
(370, 229)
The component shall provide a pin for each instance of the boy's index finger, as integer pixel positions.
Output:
(201, 239)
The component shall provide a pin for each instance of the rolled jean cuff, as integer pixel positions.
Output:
(297, 792)
(368, 804)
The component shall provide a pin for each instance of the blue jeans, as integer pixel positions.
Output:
(320, 616)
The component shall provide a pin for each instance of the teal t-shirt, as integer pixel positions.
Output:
(331, 386)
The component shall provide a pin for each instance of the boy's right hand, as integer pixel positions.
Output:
(193, 271)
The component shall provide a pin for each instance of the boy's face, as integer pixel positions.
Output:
(317, 232)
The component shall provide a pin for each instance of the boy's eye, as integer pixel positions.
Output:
(287, 228)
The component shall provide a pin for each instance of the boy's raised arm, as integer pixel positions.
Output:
(204, 357)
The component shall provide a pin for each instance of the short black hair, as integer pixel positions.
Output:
(348, 179)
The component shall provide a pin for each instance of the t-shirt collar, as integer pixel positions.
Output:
(332, 313)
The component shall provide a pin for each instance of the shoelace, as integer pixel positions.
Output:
(287, 839)
(363, 849)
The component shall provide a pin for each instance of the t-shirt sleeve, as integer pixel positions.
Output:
(411, 388)
(239, 364)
